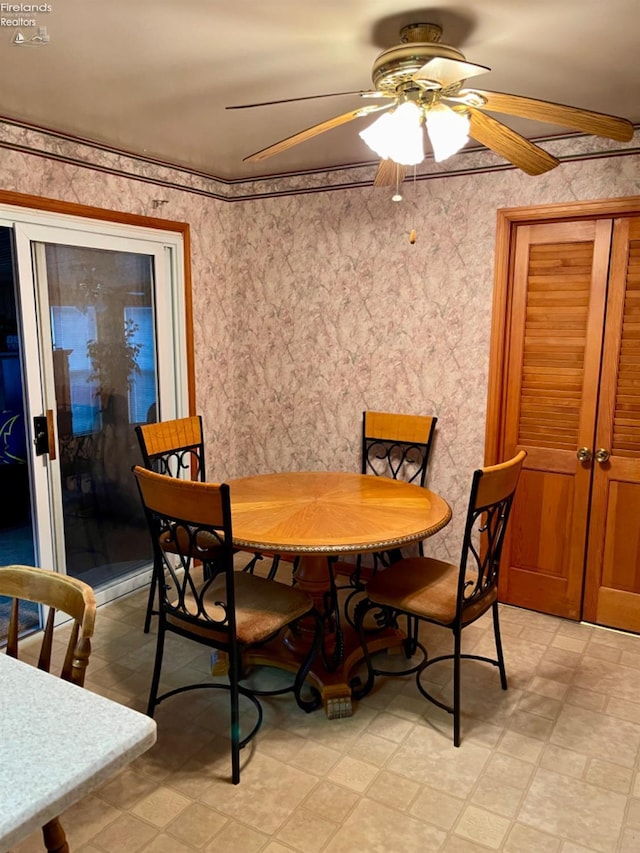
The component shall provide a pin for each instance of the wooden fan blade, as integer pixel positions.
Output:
(511, 145)
(362, 93)
(389, 174)
(310, 132)
(598, 124)
(445, 71)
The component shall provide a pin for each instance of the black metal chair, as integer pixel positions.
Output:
(397, 446)
(444, 594)
(205, 600)
(174, 448)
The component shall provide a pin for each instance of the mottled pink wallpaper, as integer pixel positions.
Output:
(310, 307)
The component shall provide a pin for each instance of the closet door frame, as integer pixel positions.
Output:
(508, 225)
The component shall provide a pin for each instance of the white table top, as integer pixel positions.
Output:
(57, 743)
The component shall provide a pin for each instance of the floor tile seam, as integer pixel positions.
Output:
(95, 838)
(454, 834)
(583, 781)
(338, 825)
(167, 831)
(124, 809)
(407, 809)
(563, 838)
(405, 813)
(469, 798)
(605, 713)
(232, 819)
(536, 713)
(410, 732)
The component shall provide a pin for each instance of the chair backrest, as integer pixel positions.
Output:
(190, 523)
(397, 446)
(174, 447)
(58, 593)
(492, 492)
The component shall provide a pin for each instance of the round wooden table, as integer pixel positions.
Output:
(317, 515)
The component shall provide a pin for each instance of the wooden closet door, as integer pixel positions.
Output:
(554, 345)
(612, 590)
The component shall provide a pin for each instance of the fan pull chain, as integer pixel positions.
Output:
(412, 233)
(397, 196)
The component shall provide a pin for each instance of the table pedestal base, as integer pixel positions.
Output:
(334, 686)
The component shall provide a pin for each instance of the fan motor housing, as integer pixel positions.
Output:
(396, 66)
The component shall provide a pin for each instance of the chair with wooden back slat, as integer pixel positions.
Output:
(444, 594)
(60, 594)
(397, 446)
(174, 448)
(220, 608)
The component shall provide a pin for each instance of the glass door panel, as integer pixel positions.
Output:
(102, 320)
(104, 375)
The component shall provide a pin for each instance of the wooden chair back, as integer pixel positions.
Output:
(60, 594)
(490, 501)
(174, 447)
(190, 524)
(397, 445)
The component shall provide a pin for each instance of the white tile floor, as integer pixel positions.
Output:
(550, 766)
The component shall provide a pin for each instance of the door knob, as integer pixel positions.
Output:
(602, 455)
(584, 454)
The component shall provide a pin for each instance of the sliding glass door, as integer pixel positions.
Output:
(101, 344)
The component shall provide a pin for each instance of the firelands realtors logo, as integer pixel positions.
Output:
(21, 17)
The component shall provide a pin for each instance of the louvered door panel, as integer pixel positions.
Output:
(626, 423)
(557, 306)
(612, 592)
(557, 310)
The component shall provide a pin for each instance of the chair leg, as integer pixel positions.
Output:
(496, 632)
(411, 643)
(54, 838)
(457, 634)
(157, 667)
(153, 589)
(235, 718)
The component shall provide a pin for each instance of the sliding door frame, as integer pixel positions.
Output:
(32, 213)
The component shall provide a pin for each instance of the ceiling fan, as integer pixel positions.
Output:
(429, 77)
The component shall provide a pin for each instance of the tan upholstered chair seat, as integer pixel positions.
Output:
(425, 587)
(262, 607)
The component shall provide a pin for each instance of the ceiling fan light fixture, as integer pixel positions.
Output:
(448, 131)
(397, 135)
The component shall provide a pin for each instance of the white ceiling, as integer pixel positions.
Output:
(153, 77)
